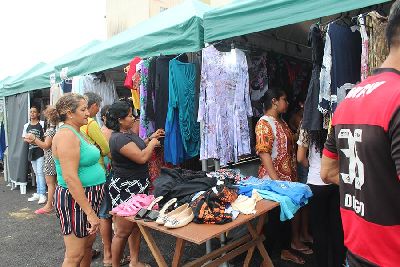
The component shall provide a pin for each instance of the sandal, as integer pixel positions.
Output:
(144, 264)
(142, 213)
(43, 211)
(154, 214)
(306, 250)
(129, 209)
(293, 258)
(139, 199)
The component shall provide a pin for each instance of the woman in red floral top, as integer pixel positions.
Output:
(276, 148)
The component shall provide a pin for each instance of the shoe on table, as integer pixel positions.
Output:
(42, 199)
(35, 197)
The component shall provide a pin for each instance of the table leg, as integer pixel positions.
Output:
(179, 247)
(254, 234)
(152, 246)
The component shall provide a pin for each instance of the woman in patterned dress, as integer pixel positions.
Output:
(49, 168)
(275, 147)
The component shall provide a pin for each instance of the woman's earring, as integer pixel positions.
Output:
(70, 117)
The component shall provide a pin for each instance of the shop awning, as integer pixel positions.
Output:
(173, 31)
(38, 76)
(248, 16)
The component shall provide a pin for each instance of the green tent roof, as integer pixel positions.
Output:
(38, 77)
(176, 30)
(248, 16)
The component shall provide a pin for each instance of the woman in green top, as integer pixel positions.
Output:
(80, 179)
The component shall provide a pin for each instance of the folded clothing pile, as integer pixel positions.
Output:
(290, 195)
(210, 207)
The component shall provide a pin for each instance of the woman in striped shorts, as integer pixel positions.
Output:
(80, 179)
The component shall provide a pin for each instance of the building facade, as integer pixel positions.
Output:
(123, 14)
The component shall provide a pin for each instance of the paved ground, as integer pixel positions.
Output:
(27, 239)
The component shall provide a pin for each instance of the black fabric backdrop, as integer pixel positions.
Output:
(17, 116)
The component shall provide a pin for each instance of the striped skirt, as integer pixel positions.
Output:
(72, 218)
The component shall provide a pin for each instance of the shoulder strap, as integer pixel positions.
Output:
(72, 129)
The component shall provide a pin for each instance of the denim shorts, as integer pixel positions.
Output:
(105, 208)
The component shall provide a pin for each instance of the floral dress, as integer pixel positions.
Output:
(275, 138)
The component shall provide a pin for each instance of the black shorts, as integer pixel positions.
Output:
(72, 218)
(121, 190)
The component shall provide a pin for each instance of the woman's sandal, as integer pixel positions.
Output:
(143, 212)
(306, 250)
(294, 258)
(43, 211)
(144, 264)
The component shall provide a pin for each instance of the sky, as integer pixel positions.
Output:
(44, 30)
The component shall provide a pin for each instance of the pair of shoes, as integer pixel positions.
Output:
(148, 213)
(43, 211)
(183, 218)
(132, 206)
(163, 215)
(42, 199)
(34, 197)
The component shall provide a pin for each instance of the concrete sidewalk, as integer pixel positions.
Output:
(27, 239)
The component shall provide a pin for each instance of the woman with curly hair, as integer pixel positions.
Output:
(49, 168)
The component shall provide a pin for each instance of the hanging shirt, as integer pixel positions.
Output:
(55, 94)
(224, 105)
(345, 46)
(312, 118)
(182, 81)
(107, 91)
(364, 49)
(146, 127)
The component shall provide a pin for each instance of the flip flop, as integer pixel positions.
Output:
(306, 250)
(296, 260)
(42, 211)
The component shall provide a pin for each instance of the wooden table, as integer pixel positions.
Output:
(200, 233)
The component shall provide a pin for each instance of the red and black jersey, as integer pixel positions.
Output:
(365, 137)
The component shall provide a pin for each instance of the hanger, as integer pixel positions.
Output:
(178, 55)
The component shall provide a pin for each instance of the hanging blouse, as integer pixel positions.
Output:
(224, 105)
(146, 127)
(182, 81)
(364, 47)
(378, 48)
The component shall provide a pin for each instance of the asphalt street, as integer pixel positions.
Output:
(27, 239)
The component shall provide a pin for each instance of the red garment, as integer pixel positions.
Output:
(366, 139)
(155, 164)
(132, 70)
